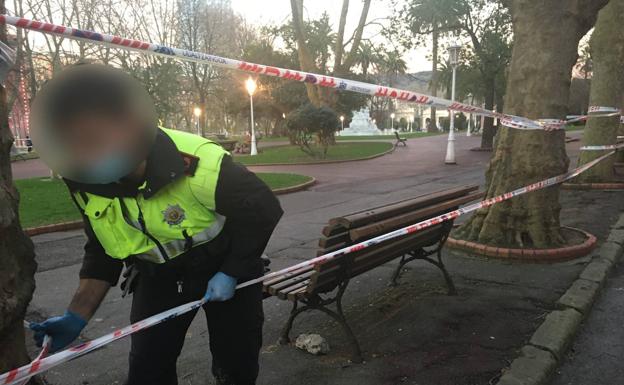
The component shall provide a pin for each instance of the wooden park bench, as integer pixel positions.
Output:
(399, 140)
(319, 286)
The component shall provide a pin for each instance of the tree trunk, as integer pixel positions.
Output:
(17, 260)
(607, 44)
(487, 137)
(306, 62)
(434, 74)
(546, 36)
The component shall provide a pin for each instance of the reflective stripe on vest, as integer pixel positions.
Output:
(179, 246)
(179, 216)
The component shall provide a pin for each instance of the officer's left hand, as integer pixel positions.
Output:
(221, 287)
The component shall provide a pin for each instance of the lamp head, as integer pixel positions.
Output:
(251, 86)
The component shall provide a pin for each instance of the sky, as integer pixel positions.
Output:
(265, 12)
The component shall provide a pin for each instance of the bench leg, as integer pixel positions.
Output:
(285, 336)
(447, 277)
(356, 352)
(397, 273)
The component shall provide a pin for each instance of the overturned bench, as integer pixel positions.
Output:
(319, 286)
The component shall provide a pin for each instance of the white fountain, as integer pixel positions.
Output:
(361, 124)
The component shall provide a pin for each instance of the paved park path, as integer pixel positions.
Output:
(411, 334)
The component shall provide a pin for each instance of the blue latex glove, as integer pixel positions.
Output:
(221, 287)
(63, 330)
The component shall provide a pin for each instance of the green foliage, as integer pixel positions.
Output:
(312, 129)
(486, 24)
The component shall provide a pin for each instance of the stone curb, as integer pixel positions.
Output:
(65, 226)
(295, 188)
(547, 347)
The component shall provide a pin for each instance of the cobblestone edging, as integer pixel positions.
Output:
(528, 255)
(369, 157)
(546, 349)
(75, 225)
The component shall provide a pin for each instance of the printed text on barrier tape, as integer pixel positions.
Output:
(17, 375)
(320, 80)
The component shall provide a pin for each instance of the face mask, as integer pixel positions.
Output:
(109, 169)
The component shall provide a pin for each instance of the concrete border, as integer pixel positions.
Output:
(64, 226)
(295, 188)
(546, 349)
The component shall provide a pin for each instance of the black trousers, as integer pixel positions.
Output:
(234, 326)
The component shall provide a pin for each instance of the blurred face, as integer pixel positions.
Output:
(89, 138)
(93, 124)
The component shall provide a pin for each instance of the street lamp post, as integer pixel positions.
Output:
(469, 133)
(450, 147)
(392, 118)
(341, 122)
(197, 112)
(250, 84)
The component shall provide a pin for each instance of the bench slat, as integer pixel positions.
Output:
(334, 229)
(378, 228)
(334, 240)
(290, 282)
(283, 277)
(383, 212)
(284, 292)
(329, 272)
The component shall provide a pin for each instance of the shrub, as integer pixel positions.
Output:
(312, 129)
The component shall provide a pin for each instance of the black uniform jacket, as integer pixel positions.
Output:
(250, 207)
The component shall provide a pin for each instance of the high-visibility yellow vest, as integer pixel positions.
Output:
(179, 216)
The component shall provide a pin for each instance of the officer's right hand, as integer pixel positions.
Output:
(63, 330)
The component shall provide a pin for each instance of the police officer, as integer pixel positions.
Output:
(172, 206)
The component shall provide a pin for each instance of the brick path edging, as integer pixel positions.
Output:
(546, 349)
(76, 225)
(528, 255)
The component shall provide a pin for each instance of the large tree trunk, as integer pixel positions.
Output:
(434, 73)
(306, 61)
(17, 261)
(487, 136)
(607, 45)
(546, 36)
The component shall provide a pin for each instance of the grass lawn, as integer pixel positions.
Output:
(44, 201)
(293, 154)
(574, 127)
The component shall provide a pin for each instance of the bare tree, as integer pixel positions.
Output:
(343, 61)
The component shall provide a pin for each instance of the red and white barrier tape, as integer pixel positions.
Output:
(17, 375)
(603, 148)
(603, 109)
(259, 69)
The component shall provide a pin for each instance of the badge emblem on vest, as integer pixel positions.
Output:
(173, 215)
